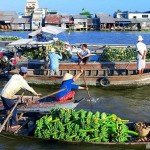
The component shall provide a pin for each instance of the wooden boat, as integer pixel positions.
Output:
(96, 74)
(31, 114)
(32, 104)
(28, 127)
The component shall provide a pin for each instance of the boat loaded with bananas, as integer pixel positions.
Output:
(70, 126)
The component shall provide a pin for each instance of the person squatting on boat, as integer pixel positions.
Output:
(54, 62)
(83, 54)
(68, 86)
(67, 51)
(141, 54)
(15, 84)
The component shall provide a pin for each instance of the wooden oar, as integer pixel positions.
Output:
(9, 115)
(52, 94)
(87, 89)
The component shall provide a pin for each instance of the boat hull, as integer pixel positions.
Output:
(95, 74)
(138, 145)
(41, 105)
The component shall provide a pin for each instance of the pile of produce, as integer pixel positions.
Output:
(121, 54)
(9, 38)
(42, 52)
(118, 54)
(81, 125)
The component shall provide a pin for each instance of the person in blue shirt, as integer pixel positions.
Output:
(54, 62)
(68, 87)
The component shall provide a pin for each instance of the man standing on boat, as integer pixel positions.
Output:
(83, 54)
(67, 87)
(141, 54)
(54, 62)
(15, 84)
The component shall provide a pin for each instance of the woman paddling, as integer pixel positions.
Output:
(68, 85)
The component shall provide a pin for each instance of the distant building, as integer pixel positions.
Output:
(89, 24)
(38, 18)
(53, 19)
(96, 22)
(106, 21)
(80, 22)
(30, 7)
(139, 20)
(23, 23)
(119, 14)
(6, 18)
(67, 21)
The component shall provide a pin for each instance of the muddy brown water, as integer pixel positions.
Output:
(131, 104)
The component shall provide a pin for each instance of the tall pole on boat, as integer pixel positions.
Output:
(91, 108)
(10, 113)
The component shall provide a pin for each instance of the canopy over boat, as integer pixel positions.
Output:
(48, 29)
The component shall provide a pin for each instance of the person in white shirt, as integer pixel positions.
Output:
(15, 84)
(67, 51)
(83, 54)
(141, 54)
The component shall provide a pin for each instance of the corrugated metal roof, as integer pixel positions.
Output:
(66, 19)
(9, 13)
(122, 20)
(79, 17)
(6, 18)
(53, 19)
(105, 18)
(21, 20)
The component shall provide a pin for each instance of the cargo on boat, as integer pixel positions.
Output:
(107, 129)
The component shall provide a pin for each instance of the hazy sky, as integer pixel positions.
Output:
(75, 6)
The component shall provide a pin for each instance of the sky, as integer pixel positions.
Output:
(75, 6)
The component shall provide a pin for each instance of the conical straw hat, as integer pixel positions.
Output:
(67, 76)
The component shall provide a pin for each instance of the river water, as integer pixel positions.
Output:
(93, 37)
(132, 104)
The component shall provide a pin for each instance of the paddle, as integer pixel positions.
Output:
(87, 89)
(52, 94)
(10, 114)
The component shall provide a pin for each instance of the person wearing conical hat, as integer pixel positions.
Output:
(141, 54)
(54, 62)
(68, 85)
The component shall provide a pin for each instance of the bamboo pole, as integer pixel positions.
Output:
(9, 115)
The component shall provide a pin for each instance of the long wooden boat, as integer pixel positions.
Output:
(34, 111)
(96, 74)
(28, 128)
(32, 104)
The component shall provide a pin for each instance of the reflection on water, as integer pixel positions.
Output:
(132, 104)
